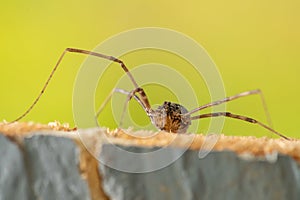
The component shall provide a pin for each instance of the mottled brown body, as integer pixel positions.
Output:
(170, 117)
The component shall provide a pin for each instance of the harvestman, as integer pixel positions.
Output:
(170, 117)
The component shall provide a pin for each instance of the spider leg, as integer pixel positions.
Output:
(119, 90)
(122, 91)
(143, 95)
(237, 96)
(131, 94)
(240, 117)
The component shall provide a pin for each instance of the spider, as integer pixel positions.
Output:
(169, 117)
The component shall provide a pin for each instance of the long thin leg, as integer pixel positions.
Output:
(237, 96)
(129, 97)
(142, 93)
(240, 117)
(122, 91)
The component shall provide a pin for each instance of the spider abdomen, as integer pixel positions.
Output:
(170, 117)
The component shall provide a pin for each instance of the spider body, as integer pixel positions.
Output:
(170, 117)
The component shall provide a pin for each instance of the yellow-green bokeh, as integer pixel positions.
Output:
(255, 44)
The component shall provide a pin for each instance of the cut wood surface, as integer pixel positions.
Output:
(67, 160)
(239, 144)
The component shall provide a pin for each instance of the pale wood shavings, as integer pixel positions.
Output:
(239, 144)
(23, 128)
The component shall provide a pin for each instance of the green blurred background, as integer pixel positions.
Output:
(255, 44)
